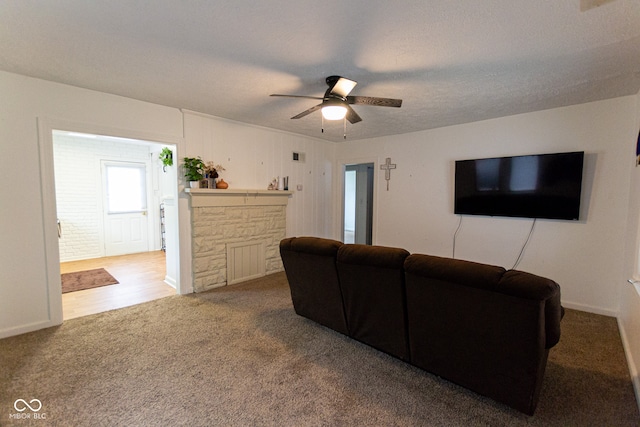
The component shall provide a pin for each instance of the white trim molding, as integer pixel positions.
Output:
(203, 197)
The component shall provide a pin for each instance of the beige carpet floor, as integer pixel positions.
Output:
(240, 356)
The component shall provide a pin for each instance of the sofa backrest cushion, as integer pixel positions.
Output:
(312, 245)
(310, 266)
(372, 281)
(472, 274)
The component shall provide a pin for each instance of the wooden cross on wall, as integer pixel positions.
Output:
(387, 170)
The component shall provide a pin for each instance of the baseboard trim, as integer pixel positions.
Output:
(23, 329)
(589, 309)
(171, 282)
(635, 379)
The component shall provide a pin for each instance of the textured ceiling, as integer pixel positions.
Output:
(451, 62)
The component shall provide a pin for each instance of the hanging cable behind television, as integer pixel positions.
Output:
(525, 245)
(454, 237)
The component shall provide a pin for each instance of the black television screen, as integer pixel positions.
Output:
(537, 186)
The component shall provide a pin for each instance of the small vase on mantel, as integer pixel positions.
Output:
(194, 184)
(222, 185)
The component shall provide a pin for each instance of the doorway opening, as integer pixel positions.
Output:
(358, 204)
(111, 194)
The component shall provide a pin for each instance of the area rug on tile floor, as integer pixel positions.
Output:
(88, 279)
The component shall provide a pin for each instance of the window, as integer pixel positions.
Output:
(126, 187)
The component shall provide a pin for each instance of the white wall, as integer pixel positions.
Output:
(584, 257)
(28, 252)
(168, 196)
(629, 314)
(253, 156)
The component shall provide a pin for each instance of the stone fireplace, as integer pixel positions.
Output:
(235, 235)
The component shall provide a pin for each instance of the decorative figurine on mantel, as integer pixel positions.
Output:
(279, 183)
(273, 185)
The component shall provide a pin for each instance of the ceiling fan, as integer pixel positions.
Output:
(336, 101)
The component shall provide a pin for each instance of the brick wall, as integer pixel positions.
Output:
(214, 227)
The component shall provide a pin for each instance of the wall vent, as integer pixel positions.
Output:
(298, 157)
(245, 261)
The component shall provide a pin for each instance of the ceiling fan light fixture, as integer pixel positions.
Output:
(334, 110)
(336, 102)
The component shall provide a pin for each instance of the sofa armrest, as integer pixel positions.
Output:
(527, 285)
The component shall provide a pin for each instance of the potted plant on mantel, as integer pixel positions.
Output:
(193, 170)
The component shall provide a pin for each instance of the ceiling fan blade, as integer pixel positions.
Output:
(352, 116)
(378, 102)
(339, 86)
(309, 111)
(297, 96)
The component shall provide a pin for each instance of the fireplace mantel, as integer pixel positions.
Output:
(204, 197)
(235, 234)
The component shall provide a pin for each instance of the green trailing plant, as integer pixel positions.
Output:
(193, 168)
(166, 157)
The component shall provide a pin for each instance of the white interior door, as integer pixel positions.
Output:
(125, 208)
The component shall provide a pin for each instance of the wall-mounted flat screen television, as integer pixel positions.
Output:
(536, 186)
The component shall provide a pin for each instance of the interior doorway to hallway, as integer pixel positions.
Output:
(358, 203)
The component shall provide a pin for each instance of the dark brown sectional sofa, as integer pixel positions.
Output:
(477, 325)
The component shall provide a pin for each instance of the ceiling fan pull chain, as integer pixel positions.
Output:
(322, 125)
(344, 121)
